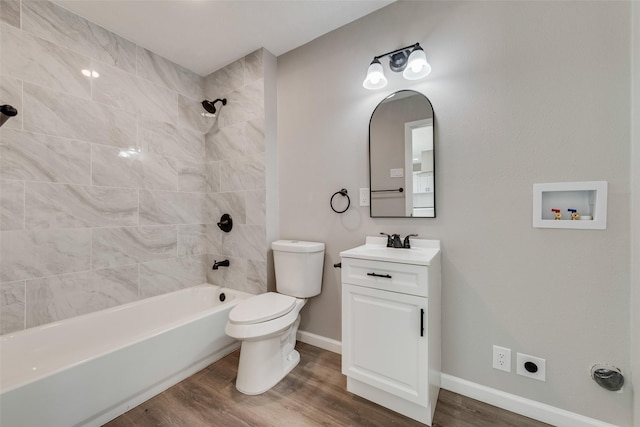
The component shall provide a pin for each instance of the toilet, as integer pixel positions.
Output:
(267, 324)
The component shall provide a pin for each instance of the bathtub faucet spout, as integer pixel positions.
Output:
(217, 264)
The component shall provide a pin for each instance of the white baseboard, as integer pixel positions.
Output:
(519, 405)
(320, 341)
(511, 402)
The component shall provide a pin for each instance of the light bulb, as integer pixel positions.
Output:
(375, 76)
(418, 67)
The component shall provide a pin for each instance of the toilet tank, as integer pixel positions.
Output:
(298, 266)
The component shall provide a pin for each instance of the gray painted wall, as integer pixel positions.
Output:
(635, 222)
(523, 93)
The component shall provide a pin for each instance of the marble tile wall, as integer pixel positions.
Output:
(235, 150)
(109, 188)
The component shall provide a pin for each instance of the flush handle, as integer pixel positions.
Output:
(422, 322)
(385, 276)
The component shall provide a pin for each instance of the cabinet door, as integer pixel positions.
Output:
(381, 341)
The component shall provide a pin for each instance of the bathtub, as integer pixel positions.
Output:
(89, 369)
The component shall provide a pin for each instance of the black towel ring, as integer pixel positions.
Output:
(342, 192)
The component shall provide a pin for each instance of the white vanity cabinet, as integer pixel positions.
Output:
(391, 325)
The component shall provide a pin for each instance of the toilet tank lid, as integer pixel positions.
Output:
(261, 308)
(297, 246)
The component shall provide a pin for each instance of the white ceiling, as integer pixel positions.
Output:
(206, 35)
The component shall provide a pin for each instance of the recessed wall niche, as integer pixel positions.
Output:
(588, 199)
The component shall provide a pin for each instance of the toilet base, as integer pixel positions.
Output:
(264, 363)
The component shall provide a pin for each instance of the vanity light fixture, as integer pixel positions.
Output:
(409, 60)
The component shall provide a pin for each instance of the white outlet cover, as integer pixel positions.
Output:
(540, 374)
(396, 173)
(364, 197)
(502, 358)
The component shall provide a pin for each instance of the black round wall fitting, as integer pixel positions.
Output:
(226, 223)
(531, 367)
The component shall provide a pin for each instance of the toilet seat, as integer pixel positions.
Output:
(261, 308)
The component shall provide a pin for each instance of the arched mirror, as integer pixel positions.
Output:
(401, 157)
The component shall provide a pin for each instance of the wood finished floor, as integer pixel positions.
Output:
(313, 394)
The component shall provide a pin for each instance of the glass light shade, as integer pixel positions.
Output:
(418, 67)
(375, 76)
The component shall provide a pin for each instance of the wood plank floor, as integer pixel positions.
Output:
(313, 394)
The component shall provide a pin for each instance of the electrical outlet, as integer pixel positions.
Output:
(502, 358)
(531, 366)
(364, 197)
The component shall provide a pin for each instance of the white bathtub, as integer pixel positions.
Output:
(89, 369)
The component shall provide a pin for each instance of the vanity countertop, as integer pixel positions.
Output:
(422, 251)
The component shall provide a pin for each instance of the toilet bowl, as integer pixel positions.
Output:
(268, 342)
(267, 323)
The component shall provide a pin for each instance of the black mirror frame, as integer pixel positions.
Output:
(434, 158)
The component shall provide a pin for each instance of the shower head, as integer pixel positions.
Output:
(210, 107)
(6, 112)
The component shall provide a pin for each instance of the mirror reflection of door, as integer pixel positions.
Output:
(418, 151)
(401, 157)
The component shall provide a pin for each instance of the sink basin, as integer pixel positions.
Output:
(375, 248)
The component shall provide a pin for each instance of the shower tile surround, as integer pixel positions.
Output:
(110, 188)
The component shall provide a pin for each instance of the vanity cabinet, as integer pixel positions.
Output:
(422, 182)
(391, 325)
